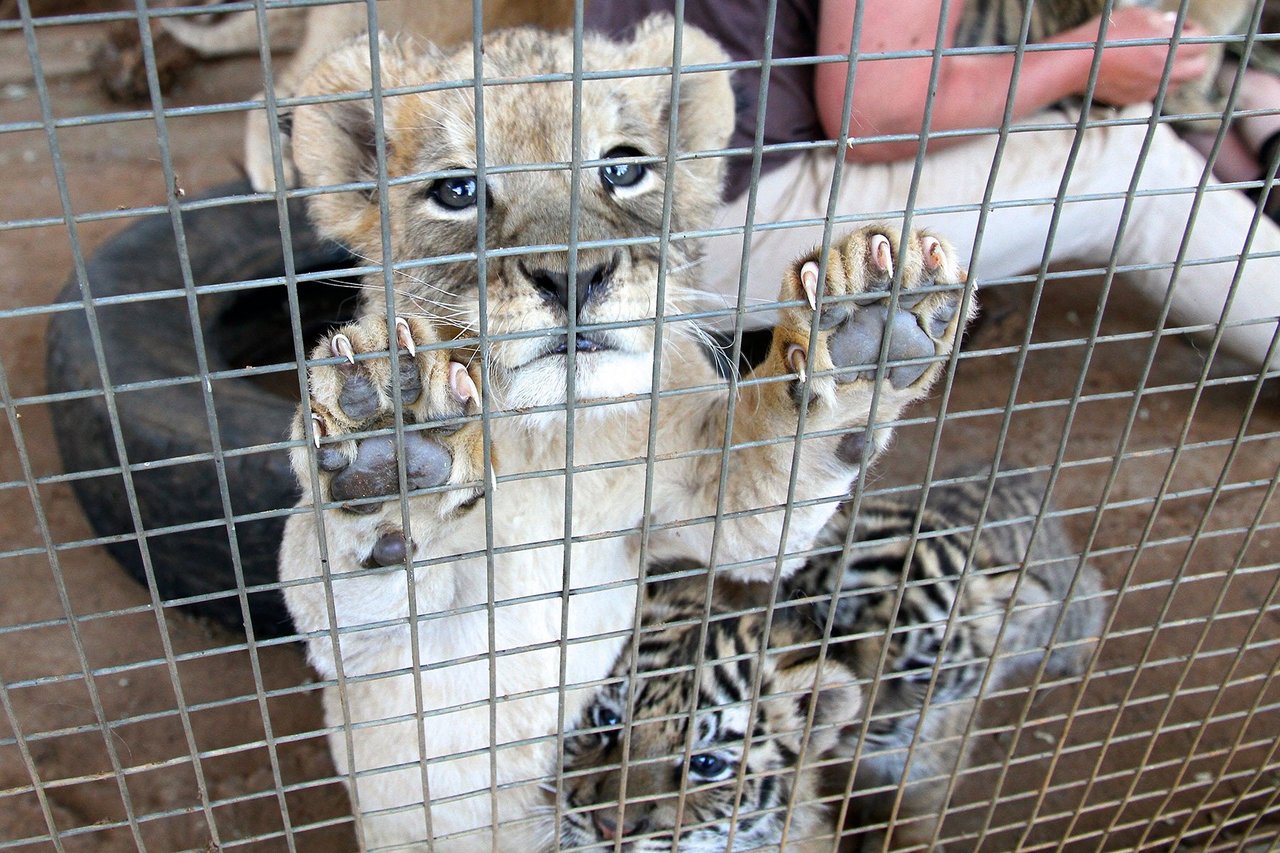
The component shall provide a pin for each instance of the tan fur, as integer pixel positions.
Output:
(444, 23)
(520, 563)
(313, 32)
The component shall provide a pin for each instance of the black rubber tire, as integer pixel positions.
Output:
(152, 340)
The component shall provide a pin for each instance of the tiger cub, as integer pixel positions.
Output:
(734, 746)
(999, 22)
(943, 585)
(864, 588)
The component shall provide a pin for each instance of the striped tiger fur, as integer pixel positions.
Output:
(999, 22)
(864, 587)
(944, 630)
(732, 741)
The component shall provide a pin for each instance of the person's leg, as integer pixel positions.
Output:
(952, 185)
(1259, 96)
(1217, 250)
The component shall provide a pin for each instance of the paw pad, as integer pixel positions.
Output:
(390, 549)
(375, 473)
(862, 266)
(358, 395)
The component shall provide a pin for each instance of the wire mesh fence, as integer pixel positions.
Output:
(1121, 363)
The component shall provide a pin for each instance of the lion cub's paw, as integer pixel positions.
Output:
(355, 396)
(856, 312)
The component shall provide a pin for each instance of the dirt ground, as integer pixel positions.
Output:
(1182, 697)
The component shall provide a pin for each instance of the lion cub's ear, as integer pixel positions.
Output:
(335, 142)
(706, 114)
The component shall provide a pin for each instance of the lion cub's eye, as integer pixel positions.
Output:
(453, 193)
(622, 174)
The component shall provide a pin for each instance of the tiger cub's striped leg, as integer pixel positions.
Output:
(938, 616)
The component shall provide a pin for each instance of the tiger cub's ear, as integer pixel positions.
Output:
(335, 141)
(834, 688)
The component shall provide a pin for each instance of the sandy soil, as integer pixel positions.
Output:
(1182, 696)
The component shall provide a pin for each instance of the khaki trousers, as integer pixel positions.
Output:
(951, 188)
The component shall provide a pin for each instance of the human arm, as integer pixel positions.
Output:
(890, 94)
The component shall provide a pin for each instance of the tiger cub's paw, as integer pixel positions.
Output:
(354, 396)
(856, 313)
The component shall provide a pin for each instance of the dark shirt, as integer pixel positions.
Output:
(739, 26)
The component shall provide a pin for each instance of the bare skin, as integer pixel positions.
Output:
(972, 89)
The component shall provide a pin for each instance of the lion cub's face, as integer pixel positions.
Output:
(528, 216)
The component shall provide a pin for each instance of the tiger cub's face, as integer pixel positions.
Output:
(701, 762)
(532, 200)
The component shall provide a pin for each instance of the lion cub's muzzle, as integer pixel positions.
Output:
(549, 275)
(583, 342)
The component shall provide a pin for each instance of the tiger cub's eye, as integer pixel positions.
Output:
(708, 766)
(605, 717)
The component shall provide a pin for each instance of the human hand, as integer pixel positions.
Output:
(1130, 74)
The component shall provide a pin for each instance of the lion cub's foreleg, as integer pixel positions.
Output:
(357, 462)
(356, 591)
(841, 431)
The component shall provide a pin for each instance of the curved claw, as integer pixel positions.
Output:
(405, 336)
(932, 251)
(798, 361)
(340, 345)
(317, 428)
(809, 281)
(461, 385)
(882, 253)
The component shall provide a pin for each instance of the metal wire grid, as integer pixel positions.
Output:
(1245, 817)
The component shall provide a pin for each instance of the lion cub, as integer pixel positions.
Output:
(452, 626)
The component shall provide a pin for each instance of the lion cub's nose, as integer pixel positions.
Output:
(554, 284)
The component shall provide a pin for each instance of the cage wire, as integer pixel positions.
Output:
(128, 724)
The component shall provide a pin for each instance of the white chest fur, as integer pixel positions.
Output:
(496, 661)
